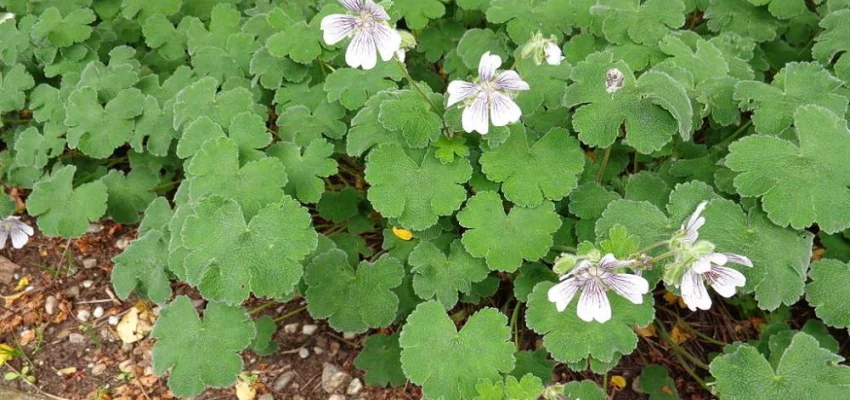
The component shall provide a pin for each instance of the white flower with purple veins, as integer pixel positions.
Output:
(489, 98)
(553, 53)
(702, 265)
(367, 25)
(12, 228)
(594, 280)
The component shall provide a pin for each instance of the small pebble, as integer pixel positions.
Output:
(303, 352)
(94, 228)
(349, 335)
(290, 328)
(76, 338)
(126, 366)
(283, 381)
(98, 369)
(113, 320)
(83, 315)
(354, 387)
(267, 396)
(98, 312)
(89, 263)
(334, 379)
(122, 243)
(309, 329)
(336, 397)
(50, 305)
(88, 283)
(72, 292)
(318, 350)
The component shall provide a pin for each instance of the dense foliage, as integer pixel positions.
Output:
(273, 149)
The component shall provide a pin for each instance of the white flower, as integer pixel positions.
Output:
(614, 80)
(553, 53)
(490, 96)
(594, 280)
(13, 228)
(690, 228)
(710, 268)
(367, 25)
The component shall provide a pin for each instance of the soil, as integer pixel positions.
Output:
(75, 359)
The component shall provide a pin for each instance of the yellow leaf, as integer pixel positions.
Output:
(24, 282)
(67, 371)
(127, 327)
(245, 390)
(679, 335)
(6, 353)
(671, 298)
(402, 233)
(618, 381)
(649, 331)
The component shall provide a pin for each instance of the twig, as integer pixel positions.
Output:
(37, 389)
(289, 314)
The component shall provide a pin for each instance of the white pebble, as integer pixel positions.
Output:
(309, 329)
(349, 335)
(303, 352)
(290, 328)
(98, 312)
(87, 284)
(83, 315)
(113, 320)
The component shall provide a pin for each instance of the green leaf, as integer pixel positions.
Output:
(647, 23)
(381, 359)
(448, 149)
(353, 301)
(647, 186)
(160, 34)
(584, 390)
(202, 98)
(142, 267)
(530, 274)
(656, 382)
(833, 43)
(339, 206)
(415, 192)
(548, 169)
(805, 371)
(448, 363)
(96, 130)
(476, 42)
(202, 353)
(440, 276)
(652, 108)
(142, 9)
(366, 132)
(157, 216)
(353, 86)
(306, 167)
(64, 210)
(411, 116)
(783, 9)
(743, 18)
(535, 363)
(797, 84)
(417, 13)
(300, 42)
(803, 184)
(153, 132)
(63, 31)
(264, 344)
(13, 83)
(215, 169)
(506, 239)
(129, 194)
(7, 206)
(569, 339)
(34, 149)
(826, 292)
(230, 257)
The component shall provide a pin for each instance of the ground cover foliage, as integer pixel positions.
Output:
(555, 159)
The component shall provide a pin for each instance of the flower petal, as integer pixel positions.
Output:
(361, 51)
(701, 265)
(336, 27)
(725, 281)
(609, 262)
(475, 118)
(695, 222)
(510, 80)
(593, 303)
(352, 5)
(632, 287)
(19, 238)
(553, 53)
(562, 293)
(488, 65)
(738, 259)
(503, 110)
(693, 291)
(459, 91)
(387, 40)
(375, 10)
(3, 235)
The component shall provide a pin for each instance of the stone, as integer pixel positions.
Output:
(50, 305)
(113, 320)
(354, 387)
(94, 228)
(267, 396)
(122, 244)
(283, 381)
(349, 335)
(318, 350)
(336, 397)
(89, 263)
(76, 338)
(88, 283)
(72, 292)
(98, 369)
(98, 312)
(309, 329)
(83, 315)
(303, 352)
(334, 379)
(290, 328)
(7, 270)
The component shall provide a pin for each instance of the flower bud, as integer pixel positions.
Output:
(542, 49)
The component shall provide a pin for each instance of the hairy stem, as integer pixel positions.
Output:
(289, 314)
(604, 165)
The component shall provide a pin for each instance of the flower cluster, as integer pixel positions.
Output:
(695, 263)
